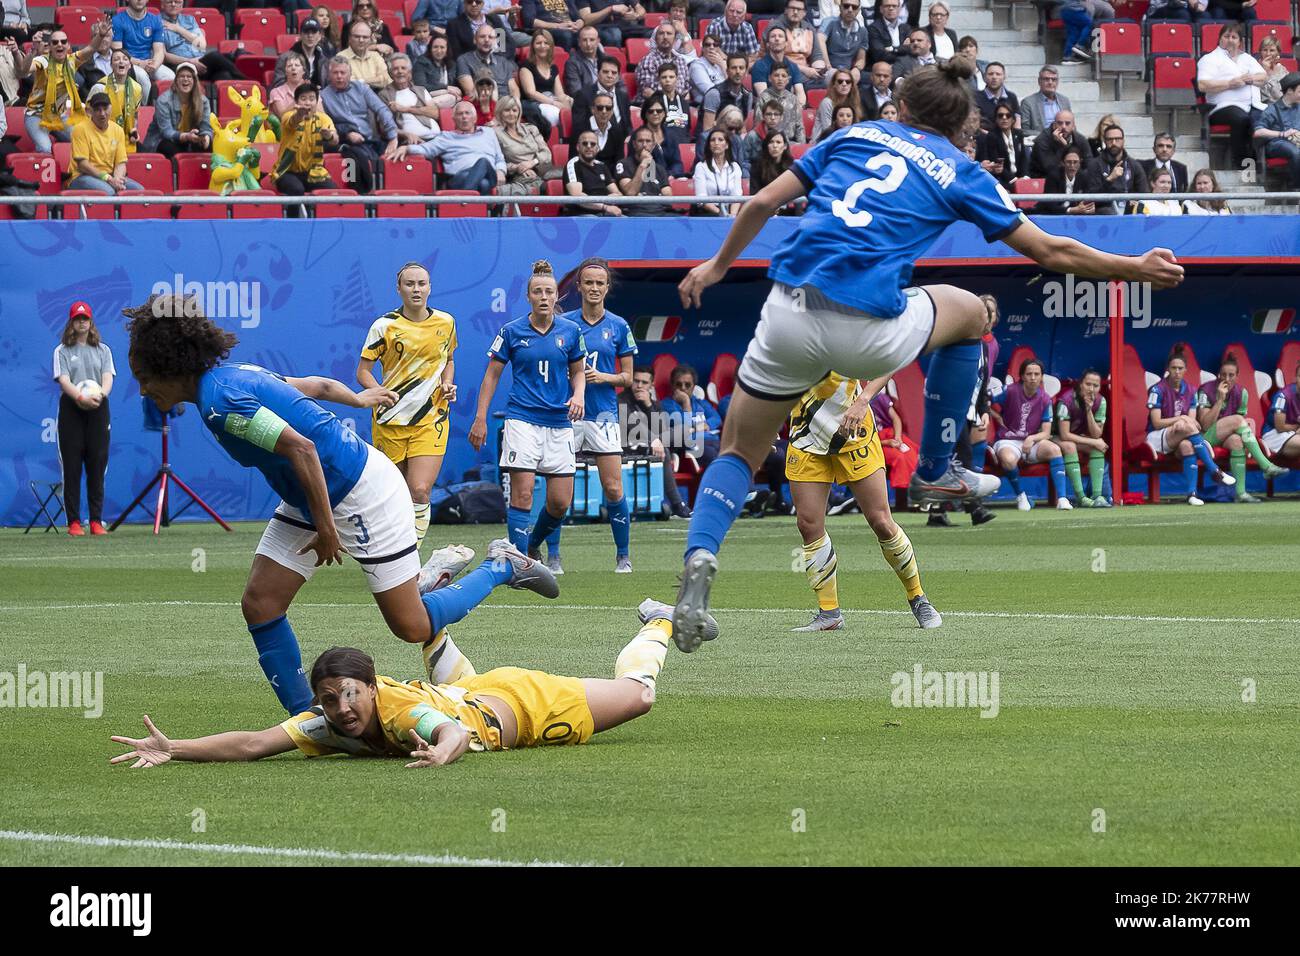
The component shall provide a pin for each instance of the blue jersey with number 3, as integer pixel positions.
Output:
(607, 341)
(879, 194)
(539, 362)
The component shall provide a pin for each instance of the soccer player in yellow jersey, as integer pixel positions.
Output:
(414, 345)
(359, 712)
(833, 439)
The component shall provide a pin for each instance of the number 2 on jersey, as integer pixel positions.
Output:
(843, 208)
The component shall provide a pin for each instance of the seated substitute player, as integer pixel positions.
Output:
(357, 712)
(1080, 421)
(1221, 411)
(1284, 423)
(1024, 433)
(833, 439)
(548, 358)
(878, 193)
(414, 346)
(339, 495)
(1172, 425)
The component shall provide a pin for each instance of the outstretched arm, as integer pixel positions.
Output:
(332, 390)
(236, 745)
(447, 745)
(1060, 254)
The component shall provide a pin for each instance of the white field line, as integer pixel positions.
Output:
(287, 852)
(1000, 615)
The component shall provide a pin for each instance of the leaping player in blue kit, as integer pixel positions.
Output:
(879, 194)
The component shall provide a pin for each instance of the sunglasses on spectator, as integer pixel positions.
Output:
(849, 6)
(654, 111)
(843, 82)
(602, 109)
(62, 42)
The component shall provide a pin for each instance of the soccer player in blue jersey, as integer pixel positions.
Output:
(879, 194)
(339, 496)
(610, 347)
(548, 360)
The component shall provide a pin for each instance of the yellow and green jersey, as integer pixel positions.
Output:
(413, 356)
(815, 420)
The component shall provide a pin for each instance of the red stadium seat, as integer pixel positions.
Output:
(77, 21)
(1174, 77)
(1258, 405)
(143, 120)
(39, 168)
(1286, 364)
(62, 153)
(445, 121)
(815, 98)
(1119, 48)
(663, 366)
(704, 27)
(537, 208)
(560, 154)
(226, 108)
(636, 50)
(193, 170)
(566, 123)
(682, 187)
(267, 153)
(156, 210)
(259, 28)
(334, 166)
(1283, 32)
(152, 171)
(211, 20)
(406, 210)
(1210, 35)
(618, 54)
(722, 379)
(1019, 356)
(1137, 453)
(1030, 187)
(207, 210)
(15, 118)
(257, 210)
(1279, 10)
(1170, 36)
(339, 210)
(653, 20)
(98, 211)
(629, 84)
(809, 121)
(460, 210)
(799, 150)
(258, 66)
(687, 152)
(414, 173)
(231, 47)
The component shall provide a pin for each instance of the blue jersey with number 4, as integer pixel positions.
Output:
(246, 407)
(607, 341)
(540, 365)
(879, 194)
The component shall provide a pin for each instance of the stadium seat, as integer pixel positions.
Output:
(636, 50)
(799, 150)
(815, 98)
(259, 28)
(1210, 35)
(406, 210)
(39, 168)
(1119, 51)
(1247, 375)
(1171, 36)
(211, 20)
(722, 379)
(231, 47)
(682, 187)
(560, 155)
(1286, 364)
(156, 210)
(1019, 356)
(1137, 453)
(1028, 186)
(663, 366)
(1283, 32)
(533, 207)
(460, 210)
(226, 107)
(653, 20)
(617, 53)
(62, 153)
(413, 173)
(207, 210)
(445, 121)
(566, 124)
(1279, 10)
(257, 210)
(704, 27)
(339, 210)
(267, 153)
(1172, 87)
(77, 21)
(629, 84)
(152, 171)
(97, 211)
(143, 120)
(334, 166)
(15, 119)
(285, 41)
(687, 152)
(259, 67)
(193, 170)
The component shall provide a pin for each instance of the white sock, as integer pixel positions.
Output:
(443, 661)
(643, 657)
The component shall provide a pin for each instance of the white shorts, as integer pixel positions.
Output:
(1274, 440)
(803, 335)
(1158, 441)
(1018, 445)
(597, 438)
(375, 522)
(536, 448)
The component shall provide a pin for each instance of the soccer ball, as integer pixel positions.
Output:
(90, 389)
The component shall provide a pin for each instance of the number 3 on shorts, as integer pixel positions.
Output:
(363, 535)
(843, 208)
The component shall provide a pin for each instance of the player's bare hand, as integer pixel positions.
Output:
(1159, 267)
(1224, 388)
(594, 377)
(851, 423)
(697, 280)
(377, 397)
(478, 434)
(327, 547)
(1101, 446)
(576, 409)
(425, 756)
(151, 751)
(448, 391)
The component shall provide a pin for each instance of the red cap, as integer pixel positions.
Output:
(79, 308)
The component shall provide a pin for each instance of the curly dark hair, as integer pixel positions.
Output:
(171, 338)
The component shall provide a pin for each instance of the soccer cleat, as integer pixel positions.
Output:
(529, 573)
(1246, 498)
(1273, 471)
(847, 506)
(953, 485)
(1085, 502)
(1063, 504)
(1022, 502)
(681, 511)
(691, 615)
(443, 566)
(75, 529)
(823, 621)
(623, 564)
(553, 563)
(1100, 502)
(926, 615)
(980, 515)
(1193, 500)
(937, 519)
(652, 610)
(1221, 477)
(97, 529)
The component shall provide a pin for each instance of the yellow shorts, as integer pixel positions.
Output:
(400, 442)
(843, 467)
(549, 709)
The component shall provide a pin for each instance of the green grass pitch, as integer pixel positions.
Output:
(1121, 693)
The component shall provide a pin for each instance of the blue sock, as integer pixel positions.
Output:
(553, 542)
(1057, 469)
(1189, 473)
(1105, 484)
(448, 605)
(281, 662)
(1013, 479)
(546, 524)
(517, 528)
(620, 525)
(718, 501)
(1204, 452)
(954, 371)
(978, 455)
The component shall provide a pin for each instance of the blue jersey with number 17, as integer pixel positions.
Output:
(607, 342)
(879, 194)
(540, 392)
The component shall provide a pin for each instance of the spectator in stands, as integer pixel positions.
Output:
(485, 58)
(643, 421)
(773, 159)
(1164, 146)
(994, 96)
(615, 20)
(841, 91)
(436, 72)
(1096, 142)
(751, 143)
(609, 80)
(641, 174)
(13, 67)
(693, 416)
(583, 66)
(1223, 413)
(717, 174)
(679, 14)
(1080, 421)
(708, 69)
(585, 175)
(558, 17)
(184, 42)
(776, 40)
(611, 135)
(1191, 10)
(829, 10)
(98, 66)
(801, 45)
(1024, 417)
(735, 33)
(125, 96)
(678, 120)
(730, 92)
(943, 41)
(889, 113)
(922, 55)
(283, 98)
(842, 42)
(484, 99)
(1002, 151)
(1283, 427)
(331, 28)
(181, 119)
(364, 58)
(1051, 144)
(1162, 181)
(887, 35)
(470, 154)
(1206, 182)
(733, 124)
(778, 93)
(366, 13)
(99, 151)
(1278, 127)
(361, 118)
(17, 23)
(877, 89)
(421, 34)
(528, 158)
(663, 51)
(463, 32)
(54, 104)
(1038, 110)
(842, 119)
(1172, 427)
(539, 82)
(414, 111)
(969, 46)
(438, 12)
(1231, 79)
(1113, 170)
(665, 139)
(1078, 30)
(1270, 58)
(139, 31)
(315, 49)
(305, 134)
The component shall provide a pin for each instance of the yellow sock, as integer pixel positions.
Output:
(421, 521)
(443, 661)
(643, 657)
(899, 556)
(819, 563)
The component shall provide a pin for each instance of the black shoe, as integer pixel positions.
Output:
(780, 507)
(980, 515)
(938, 519)
(681, 511)
(755, 505)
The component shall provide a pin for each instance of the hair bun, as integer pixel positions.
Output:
(959, 68)
(542, 268)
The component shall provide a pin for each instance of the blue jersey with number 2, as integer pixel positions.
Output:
(539, 362)
(879, 194)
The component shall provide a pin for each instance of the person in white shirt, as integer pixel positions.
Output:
(1231, 80)
(413, 109)
(944, 42)
(1162, 181)
(717, 174)
(1205, 182)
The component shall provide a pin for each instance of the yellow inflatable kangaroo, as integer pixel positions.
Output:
(235, 164)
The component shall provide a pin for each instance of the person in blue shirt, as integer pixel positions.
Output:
(609, 347)
(339, 495)
(698, 422)
(548, 359)
(139, 31)
(879, 194)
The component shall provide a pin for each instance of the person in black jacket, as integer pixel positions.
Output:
(1052, 143)
(1114, 171)
(1001, 151)
(461, 29)
(1068, 178)
(609, 79)
(887, 34)
(1164, 147)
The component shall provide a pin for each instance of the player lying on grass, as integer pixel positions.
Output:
(339, 494)
(358, 712)
(833, 438)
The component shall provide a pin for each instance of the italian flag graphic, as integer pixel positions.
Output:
(1272, 321)
(656, 328)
